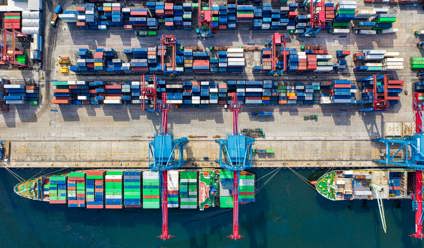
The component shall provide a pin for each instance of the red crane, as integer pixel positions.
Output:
(169, 41)
(317, 13)
(418, 194)
(235, 109)
(380, 98)
(204, 17)
(278, 40)
(148, 92)
(9, 52)
(164, 126)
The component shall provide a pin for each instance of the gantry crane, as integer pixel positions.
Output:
(148, 92)
(163, 149)
(169, 41)
(204, 19)
(409, 153)
(278, 40)
(235, 154)
(9, 50)
(317, 17)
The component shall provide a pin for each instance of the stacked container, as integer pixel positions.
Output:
(246, 187)
(226, 180)
(132, 189)
(345, 13)
(12, 20)
(94, 189)
(417, 63)
(395, 182)
(188, 189)
(113, 189)
(57, 189)
(377, 60)
(19, 93)
(173, 189)
(151, 190)
(374, 21)
(76, 189)
(343, 91)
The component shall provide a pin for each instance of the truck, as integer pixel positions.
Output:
(262, 114)
(55, 16)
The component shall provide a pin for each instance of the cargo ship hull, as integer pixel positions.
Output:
(345, 185)
(137, 188)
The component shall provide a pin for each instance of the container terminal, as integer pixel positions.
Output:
(168, 104)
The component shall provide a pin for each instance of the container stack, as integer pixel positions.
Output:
(394, 88)
(113, 189)
(19, 93)
(151, 191)
(345, 13)
(245, 13)
(12, 20)
(236, 61)
(343, 91)
(173, 189)
(395, 183)
(374, 21)
(417, 63)
(377, 60)
(132, 189)
(148, 18)
(57, 189)
(226, 179)
(76, 189)
(188, 189)
(247, 187)
(94, 189)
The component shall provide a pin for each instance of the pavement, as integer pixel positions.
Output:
(65, 136)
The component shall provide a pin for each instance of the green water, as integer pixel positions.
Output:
(287, 213)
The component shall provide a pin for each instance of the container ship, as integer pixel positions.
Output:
(342, 185)
(137, 188)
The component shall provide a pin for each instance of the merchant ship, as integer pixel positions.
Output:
(136, 188)
(364, 184)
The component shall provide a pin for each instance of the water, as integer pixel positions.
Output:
(287, 213)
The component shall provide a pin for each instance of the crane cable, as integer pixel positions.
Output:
(268, 180)
(14, 174)
(301, 177)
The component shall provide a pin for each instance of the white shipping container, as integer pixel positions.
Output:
(82, 98)
(151, 175)
(236, 64)
(324, 69)
(204, 101)
(389, 31)
(195, 98)
(113, 177)
(394, 63)
(13, 86)
(254, 89)
(135, 101)
(324, 56)
(374, 52)
(235, 55)
(341, 31)
(30, 30)
(81, 17)
(373, 64)
(108, 195)
(112, 101)
(230, 60)
(80, 82)
(195, 101)
(30, 22)
(72, 82)
(68, 16)
(213, 90)
(30, 14)
(392, 54)
(240, 90)
(135, 83)
(174, 101)
(126, 10)
(367, 32)
(204, 83)
(394, 67)
(235, 50)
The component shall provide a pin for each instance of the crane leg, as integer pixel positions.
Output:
(165, 233)
(419, 212)
(236, 234)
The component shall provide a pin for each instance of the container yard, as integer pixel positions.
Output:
(164, 108)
